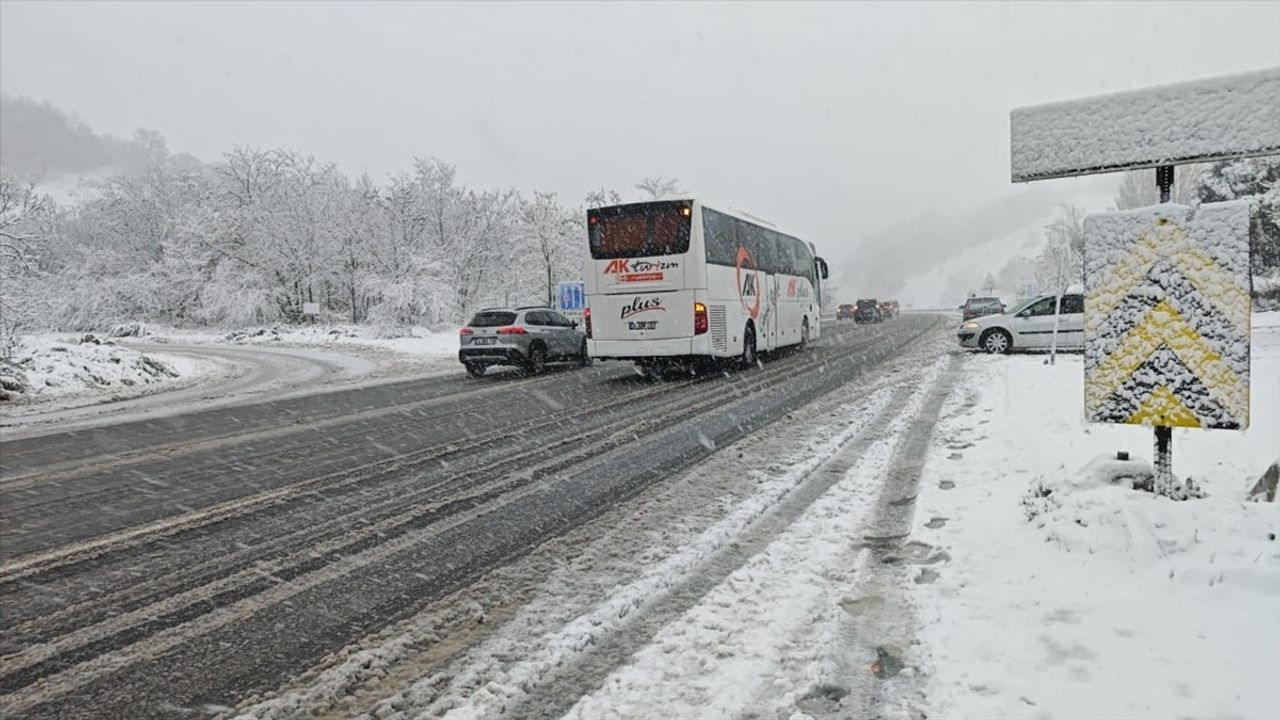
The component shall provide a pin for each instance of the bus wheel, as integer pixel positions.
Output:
(749, 348)
(804, 334)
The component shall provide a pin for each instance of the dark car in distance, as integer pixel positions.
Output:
(867, 310)
(845, 312)
(980, 306)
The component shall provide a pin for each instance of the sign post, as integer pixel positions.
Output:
(1163, 465)
(1167, 289)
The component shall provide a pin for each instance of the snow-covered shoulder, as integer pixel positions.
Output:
(410, 350)
(47, 368)
(1070, 594)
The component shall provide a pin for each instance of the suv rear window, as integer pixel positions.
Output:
(983, 302)
(492, 319)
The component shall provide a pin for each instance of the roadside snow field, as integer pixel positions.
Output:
(1069, 598)
(54, 368)
(149, 371)
(410, 351)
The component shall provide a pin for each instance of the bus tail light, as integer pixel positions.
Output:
(586, 320)
(512, 330)
(699, 318)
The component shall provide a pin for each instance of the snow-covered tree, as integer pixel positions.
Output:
(555, 235)
(602, 198)
(252, 238)
(24, 227)
(1258, 181)
(1060, 264)
(20, 206)
(659, 188)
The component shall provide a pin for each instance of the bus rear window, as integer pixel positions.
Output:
(621, 237)
(640, 230)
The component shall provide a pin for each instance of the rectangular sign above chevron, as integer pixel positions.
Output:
(1166, 316)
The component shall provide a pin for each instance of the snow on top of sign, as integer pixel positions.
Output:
(1230, 116)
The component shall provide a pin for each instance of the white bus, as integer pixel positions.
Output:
(677, 281)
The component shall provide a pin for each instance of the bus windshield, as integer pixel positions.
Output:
(640, 230)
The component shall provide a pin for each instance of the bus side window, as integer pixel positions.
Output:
(800, 260)
(753, 238)
(771, 249)
(720, 239)
(787, 255)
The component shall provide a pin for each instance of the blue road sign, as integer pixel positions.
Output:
(573, 297)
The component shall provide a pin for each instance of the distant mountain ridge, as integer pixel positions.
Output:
(40, 142)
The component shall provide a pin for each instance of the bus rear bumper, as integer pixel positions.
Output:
(645, 349)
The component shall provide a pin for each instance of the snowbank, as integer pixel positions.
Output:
(1069, 594)
(416, 341)
(42, 367)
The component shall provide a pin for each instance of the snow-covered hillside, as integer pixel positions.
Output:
(946, 284)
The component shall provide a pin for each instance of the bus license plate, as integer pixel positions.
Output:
(642, 325)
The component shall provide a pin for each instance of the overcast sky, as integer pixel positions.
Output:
(830, 119)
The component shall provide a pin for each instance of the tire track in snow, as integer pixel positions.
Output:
(874, 624)
(24, 566)
(454, 391)
(574, 659)
(405, 652)
(750, 554)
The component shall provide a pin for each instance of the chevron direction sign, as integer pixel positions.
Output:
(1166, 316)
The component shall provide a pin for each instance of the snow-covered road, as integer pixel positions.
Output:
(853, 532)
(251, 551)
(725, 590)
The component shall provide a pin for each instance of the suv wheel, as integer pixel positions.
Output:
(536, 361)
(996, 341)
(584, 358)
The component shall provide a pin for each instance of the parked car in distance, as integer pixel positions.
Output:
(845, 312)
(867, 310)
(889, 308)
(980, 306)
(527, 337)
(1029, 326)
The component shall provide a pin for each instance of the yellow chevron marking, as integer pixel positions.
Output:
(1163, 325)
(1162, 407)
(1167, 239)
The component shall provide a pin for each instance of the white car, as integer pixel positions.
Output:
(1028, 326)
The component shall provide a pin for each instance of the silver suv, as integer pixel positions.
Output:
(527, 337)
